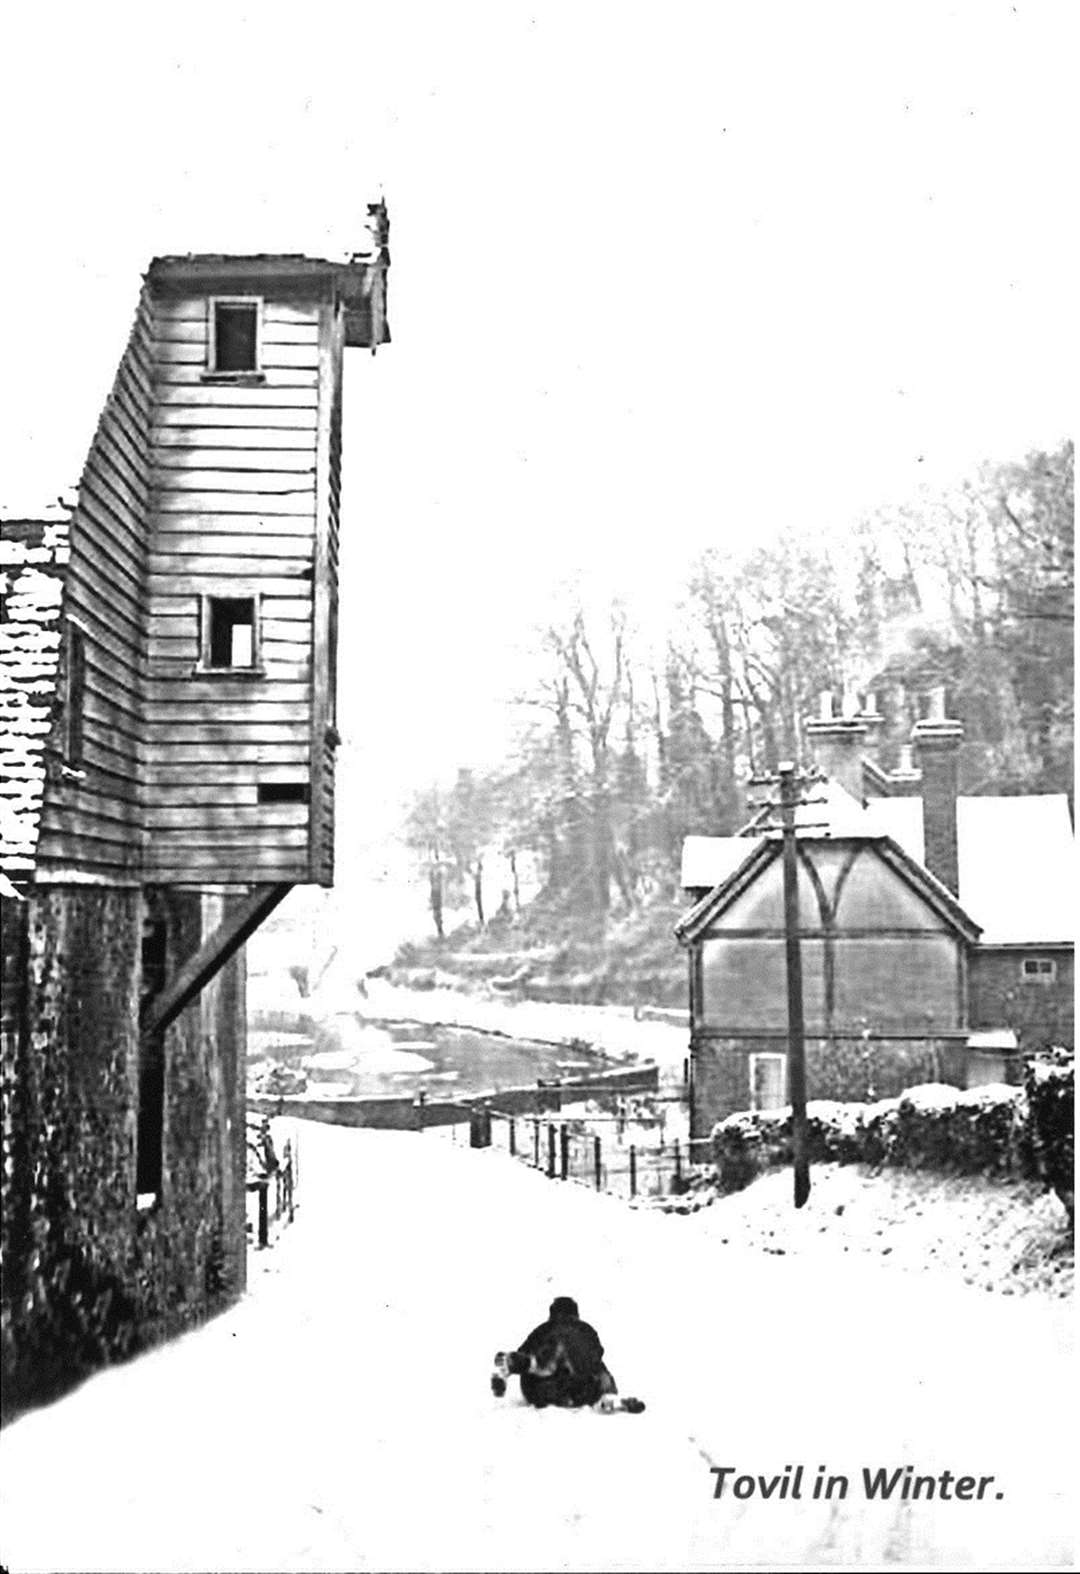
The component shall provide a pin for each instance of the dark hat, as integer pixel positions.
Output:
(563, 1306)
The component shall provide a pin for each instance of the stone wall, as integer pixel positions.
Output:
(842, 1068)
(88, 1278)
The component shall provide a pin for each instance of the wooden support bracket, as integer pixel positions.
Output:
(193, 976)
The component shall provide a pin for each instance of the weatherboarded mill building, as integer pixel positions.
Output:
(167, 683)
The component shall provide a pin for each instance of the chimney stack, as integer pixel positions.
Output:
(937, 741)
(838, 742)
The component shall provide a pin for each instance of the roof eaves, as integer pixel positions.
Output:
(689, 926)
(928, 886)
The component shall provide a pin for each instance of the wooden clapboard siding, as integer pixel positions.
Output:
(92, 819)
(224, 436)
(325, 594)
(233, 470)
(233, 461)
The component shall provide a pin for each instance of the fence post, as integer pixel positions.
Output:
(596, 1161)
(479, 1127)
(564, 1152)
(264, 1213)
(536, 1143)
(633, 1170)
(678, 1164)
(513, 1137)
(551, 1151)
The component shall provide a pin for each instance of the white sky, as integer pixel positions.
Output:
(662, 275)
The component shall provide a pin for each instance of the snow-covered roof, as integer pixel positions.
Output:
(1015, 856)
(708, 860)
(33, 553)
(1015, 862)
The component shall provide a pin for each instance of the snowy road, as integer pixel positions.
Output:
(340, 1417)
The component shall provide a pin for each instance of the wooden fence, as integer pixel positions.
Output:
(576, 1150)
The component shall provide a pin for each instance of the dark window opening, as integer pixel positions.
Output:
(74, 695)
(283, 792)
(150, 1120)
(236, 336)
(1039, 970)
(230, 631)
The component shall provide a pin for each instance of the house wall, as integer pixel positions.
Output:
(240, 470)
(87, 1278)
(1038, 1013)
(844, 1068)
(874, 954)
(91, 817)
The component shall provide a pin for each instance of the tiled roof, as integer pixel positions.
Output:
(33, 553)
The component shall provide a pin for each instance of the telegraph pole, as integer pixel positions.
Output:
(793, 785)
(789, 800)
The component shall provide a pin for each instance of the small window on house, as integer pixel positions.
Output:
(768, 1081)
(234, 336)
(283, 792)
(230, 633)
(73, 697)
(1038, 970)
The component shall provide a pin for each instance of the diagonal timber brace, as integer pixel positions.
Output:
(193, 976)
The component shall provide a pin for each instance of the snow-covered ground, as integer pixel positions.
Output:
(340, 1417)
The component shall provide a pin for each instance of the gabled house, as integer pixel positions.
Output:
(167, 700)
(936, 932)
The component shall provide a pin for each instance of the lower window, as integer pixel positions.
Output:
(768, 1081)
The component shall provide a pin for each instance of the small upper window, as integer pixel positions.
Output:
(1038, 970)
(230, 633)
(234, 336)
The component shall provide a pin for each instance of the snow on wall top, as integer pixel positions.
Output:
(33, 554)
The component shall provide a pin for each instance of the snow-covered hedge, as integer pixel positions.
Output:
(995, 1130)
(1048, 1085)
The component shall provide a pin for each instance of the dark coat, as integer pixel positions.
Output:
(568, 1361)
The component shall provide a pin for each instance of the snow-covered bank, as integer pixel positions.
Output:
(1010, 1237)
(340, 1417)
(613, 1030)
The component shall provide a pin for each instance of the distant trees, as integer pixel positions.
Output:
(619, 757)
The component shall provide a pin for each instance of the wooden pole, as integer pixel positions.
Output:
(596, 1161)
(551, 1151)
(564, 1152)
(633, 1170)
(796, 1056)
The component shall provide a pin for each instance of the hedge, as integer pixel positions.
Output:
(1024, 1131)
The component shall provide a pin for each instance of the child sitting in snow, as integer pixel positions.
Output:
(561, 1363)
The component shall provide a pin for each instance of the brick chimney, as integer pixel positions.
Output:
(937, 741)
(838, 742)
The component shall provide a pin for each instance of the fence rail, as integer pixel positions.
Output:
(574, 1151)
